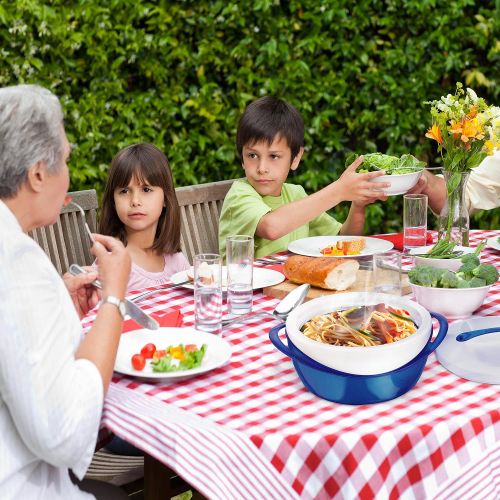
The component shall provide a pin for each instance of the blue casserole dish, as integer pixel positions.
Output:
(350, 389)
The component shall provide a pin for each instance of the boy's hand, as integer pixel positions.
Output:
(359, 188)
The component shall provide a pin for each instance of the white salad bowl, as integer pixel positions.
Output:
(370, 360)
(399, 183)
(453, 303)
(451, 264)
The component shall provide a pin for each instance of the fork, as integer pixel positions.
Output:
(270, 260)
(157, 290)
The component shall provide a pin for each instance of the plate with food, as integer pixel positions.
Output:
(400, 173)
(494, 242)
(170, 353)
(339, 246)
(262, 278)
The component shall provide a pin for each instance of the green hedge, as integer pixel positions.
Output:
(179, 74)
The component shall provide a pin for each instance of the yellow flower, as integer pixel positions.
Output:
(434, 133)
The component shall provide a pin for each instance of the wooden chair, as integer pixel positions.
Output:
(200, 210)
(67, 242)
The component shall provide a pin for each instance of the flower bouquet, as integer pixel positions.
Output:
(466, 130)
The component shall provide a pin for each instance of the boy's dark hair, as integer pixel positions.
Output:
(266, 118)
(149, 165)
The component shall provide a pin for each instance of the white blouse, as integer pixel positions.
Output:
(50, 403)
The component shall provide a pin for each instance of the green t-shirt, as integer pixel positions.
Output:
(244, 207)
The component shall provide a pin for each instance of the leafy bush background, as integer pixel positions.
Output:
(179, 74)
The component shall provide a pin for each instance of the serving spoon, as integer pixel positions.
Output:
(281, 311)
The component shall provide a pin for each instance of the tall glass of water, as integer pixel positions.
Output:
(208, 292)
(414, 221)
(239, 251)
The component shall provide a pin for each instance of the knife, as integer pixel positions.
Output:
(133, 310)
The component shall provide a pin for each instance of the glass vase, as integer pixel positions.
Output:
(453, 221)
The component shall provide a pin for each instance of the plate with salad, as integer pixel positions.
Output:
(402, 173)
(170, 354)
(494, 242)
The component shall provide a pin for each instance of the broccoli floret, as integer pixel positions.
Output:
(465, 270)
(448, 279)
(425, 276)
(476, 282)
(468, 258)
(421, 275)
(463, 283)
(487, 272)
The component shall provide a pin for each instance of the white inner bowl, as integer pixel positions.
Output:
(454, 303)
(399, 183)
(359, 360)
(451, 264)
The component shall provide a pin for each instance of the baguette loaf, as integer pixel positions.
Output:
(322, 272)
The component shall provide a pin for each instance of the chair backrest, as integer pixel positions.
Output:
(67, 242)
(200, 210)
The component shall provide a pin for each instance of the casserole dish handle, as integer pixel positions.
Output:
(443, 330)
(276, 341)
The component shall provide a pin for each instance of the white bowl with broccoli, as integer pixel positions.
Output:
(456, 295)
(401, 173)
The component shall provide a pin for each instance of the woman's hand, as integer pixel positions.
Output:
(113, 262)
(359, 188)
(84, 295)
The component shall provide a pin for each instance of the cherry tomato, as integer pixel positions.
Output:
(159, 354)
(138, 362)
(191, 347)
(148, 350)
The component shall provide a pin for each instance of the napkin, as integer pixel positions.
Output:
(397, 239)
(166, 318)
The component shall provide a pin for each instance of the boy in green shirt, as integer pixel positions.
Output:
(270, 143)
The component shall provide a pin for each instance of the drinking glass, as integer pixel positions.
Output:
(414, 221)
(208, 292)
(387, 272)
(239, 250)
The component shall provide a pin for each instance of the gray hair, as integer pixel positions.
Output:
(31, 121)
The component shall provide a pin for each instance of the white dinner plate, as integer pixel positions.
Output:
(477, 358)
(493, 242)
(217, 354)
(311, 246)
(262, 277)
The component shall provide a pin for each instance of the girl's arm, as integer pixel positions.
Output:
(351, 186)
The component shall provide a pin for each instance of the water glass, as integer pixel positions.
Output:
(208, 292)
(239, 251)
(387, 272)
(414, 221)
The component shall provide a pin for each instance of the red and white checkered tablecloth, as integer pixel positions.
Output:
(251, 430)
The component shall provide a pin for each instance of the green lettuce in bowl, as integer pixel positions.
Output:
(401, 173)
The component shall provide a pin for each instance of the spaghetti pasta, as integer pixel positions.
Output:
(384, 325)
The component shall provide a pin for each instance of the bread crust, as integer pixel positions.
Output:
(321, 271)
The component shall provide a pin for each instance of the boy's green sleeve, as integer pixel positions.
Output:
(241, 212)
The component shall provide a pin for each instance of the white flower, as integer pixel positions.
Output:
(472, 95)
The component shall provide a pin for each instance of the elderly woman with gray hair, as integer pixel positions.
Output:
(52, 379)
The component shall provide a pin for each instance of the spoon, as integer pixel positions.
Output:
(281, 311)
(464, 336)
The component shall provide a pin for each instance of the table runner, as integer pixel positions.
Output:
(415, 446)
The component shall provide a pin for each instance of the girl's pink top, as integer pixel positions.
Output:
(140, 278)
